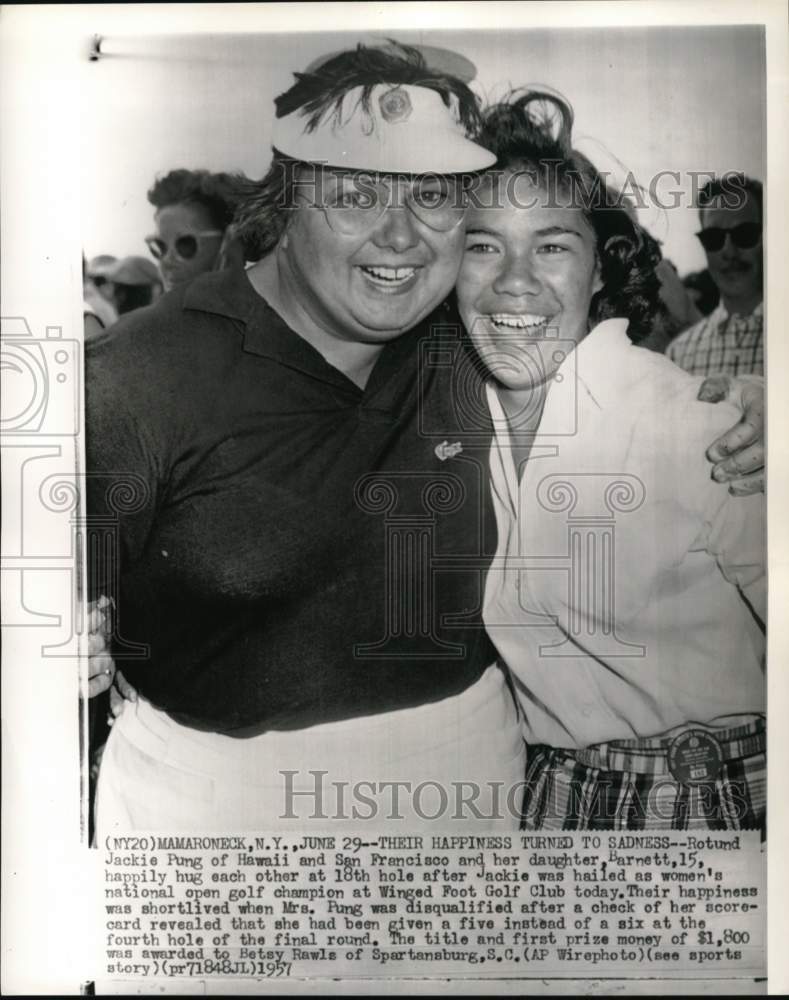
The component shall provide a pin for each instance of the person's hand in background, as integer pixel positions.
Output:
(738, 455)
(120, 693)
(675, 297)
(101, 666)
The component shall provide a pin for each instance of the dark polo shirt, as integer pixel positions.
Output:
(285, 548)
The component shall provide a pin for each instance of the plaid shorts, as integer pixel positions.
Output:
(627, 785)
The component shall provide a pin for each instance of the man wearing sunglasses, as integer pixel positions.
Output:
(730, 340)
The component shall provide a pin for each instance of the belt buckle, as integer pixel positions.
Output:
(695, 757)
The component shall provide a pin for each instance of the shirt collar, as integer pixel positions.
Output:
(720, 313)
(223, 293)
(591, 374)
(229, 293)
(594, 368)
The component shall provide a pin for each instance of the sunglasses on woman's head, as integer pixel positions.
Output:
(185, 246)
(745, 236)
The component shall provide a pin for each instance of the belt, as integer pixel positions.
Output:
(695, 753)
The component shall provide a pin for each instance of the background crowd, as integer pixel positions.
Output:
(193, 212)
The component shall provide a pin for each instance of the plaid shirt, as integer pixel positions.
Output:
(722, 344)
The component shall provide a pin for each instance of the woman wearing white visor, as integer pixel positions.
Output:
(272, 421)
(307, 525)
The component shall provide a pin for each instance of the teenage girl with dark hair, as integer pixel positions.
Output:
(628, 592)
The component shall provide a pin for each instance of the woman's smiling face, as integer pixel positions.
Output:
(529, 272)
(373, 285)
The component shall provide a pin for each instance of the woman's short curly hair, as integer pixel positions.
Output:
(218, 194)
(532, 131)
(263, 212)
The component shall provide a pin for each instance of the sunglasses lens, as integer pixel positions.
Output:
(746, 235)
(712, 239)
(186, 247)
(157, 247)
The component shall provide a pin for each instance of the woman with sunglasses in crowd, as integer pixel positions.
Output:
(194, 210)
(628, 594)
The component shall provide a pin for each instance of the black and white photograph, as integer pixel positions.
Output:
(384, 465)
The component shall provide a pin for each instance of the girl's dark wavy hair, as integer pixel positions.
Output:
(532, 131)
(262, 214)
(218, 194)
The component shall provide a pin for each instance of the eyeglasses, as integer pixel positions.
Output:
(353, 204)
(745, 236)
(185, 246)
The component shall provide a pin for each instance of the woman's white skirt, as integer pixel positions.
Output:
(438, 767)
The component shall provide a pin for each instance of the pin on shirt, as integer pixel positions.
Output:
(446, 450)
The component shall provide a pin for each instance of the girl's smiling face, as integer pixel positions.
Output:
(529, 273)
